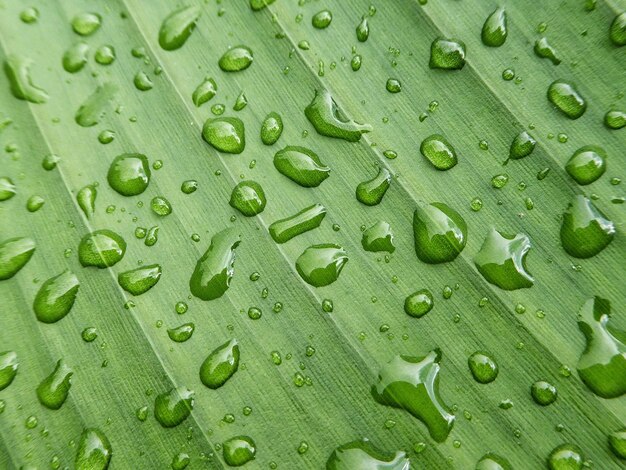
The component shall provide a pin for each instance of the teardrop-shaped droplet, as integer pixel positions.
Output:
(447, 54)
(248, 198)
(585, 230)
(329, 121)
(105, 55)
(617, 32)
(14, 254)
(257, 5)
(204, 92)
(371, 192)
(502, 260)
(378, 237)
(494, 30)
(566, 457)
(439, 152)
(129, 174)
(143, 82)
(617, 443)
(75, 58)
(491, 461)
(94, 451)
(86, 199)
(271, 129)
(53, 390)
(102, 248)
(587, 164)
(214, 271)
(17, 70)
(236, 59)
(544, 50)
(363, 30)
(141, 280)
(56, 297)
(602, 365)
(363, 455)
(440, 233)
(322, 19)
(301, 165)
(177, 27)
(307, 219)
(483, 367)
(226, 134)
(241, 102)
(412, 384)
(320, 265)
(86, 23)
(220, 365)
(615, 119)
(522, 146)
(238, 450)
(181, 333)
(173, 407)
(91, 111)
(8, 368)
(419, 303)
(7, 188)
(567, 99)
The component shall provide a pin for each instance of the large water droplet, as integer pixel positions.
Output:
(86, 198)
(177, 27)
(75, 58)
(320, 265)
(129, 174)
(56, 297)
(494, 30)
(412, 383)
(307, 219)
(438, 151)
(522, 146)
(544, 50)
(329, 121)
(102, 248)
(371, 192)
(173, 407)
(567, 99)
(17, 70)
(14, 254)
(94, 450)
(220, 365)
(141, 280)
(483, 367)
(53, 390)
(363, 455)
(236, 59)
(8, 368)
(248, 198)
(91, 111)
(271, 129)
(226, 134)
(238, 450)
(585, 231)
(566, 457)
(447, 54)
(301, 165)
(587, 164)
(440, 233)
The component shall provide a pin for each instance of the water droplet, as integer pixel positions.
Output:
(102, 248)
(615, 119)
(307, 219)
(152, 236)
(356, 62)
(236, 59)
(241, 102)
(160, 206)
(75, 58)
(378, 237)
(85, 24)
(447, 54)
(565, 457)
(419, 303)
(499, 181)
(567, 99)
(181, 333)
(257, 5)
(322, 19)
(617, 33)
(440, 233)
(327, 305)
(29, 15)
(491, 461)
(363, 30)
(105, 55)
(91, 111)
(214, 271)
(129, 174)
(371, 192)
(106, 136)
(53, 390)
(393, 85)
(14, 254)
(617, 443)
(226, 134)
(363, 454)
(143, 82)
(56, 297)
(544, 50)
(438, 151)
(587, 164)
(502, 260)
(86, 199)
(522, 146)
(301, 165)
(189, 186)
(483, 367)
(271, 129)
(494, 30)
(238, 450)
(204, 92)
(177, 27)
(94, 450)
(8, 368)
(320, 265)
(329, 121)
(585, 231)
(89, 334)
(7, 188)
(141, 280)
(220, 365)
(173, 407)
(304, 45)
(543, 393)
(180, 461)
(411, 383)
(602, 365)
(17, 70)
(248, 198)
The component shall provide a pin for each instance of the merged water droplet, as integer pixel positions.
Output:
(543, 393)
(236, 59)
(320, 265)
(522, 146)
(238, 450)
(447, 54)
(363, 454)
(567, 99)
(271, 129)
(602, 365)
(544, 50)
(75, 58)
(566, 457)
(91, 111)
(419, 303)
(494, 30)
(491, 461)
(617, 443)
(483, 367)
(94, 450)
(102, 248)
(301, 165)
(617, 32)
(129, 174)
(329, 121)
(412, 383)
(214, 271)
(587, 164)
(440, 233)
(439, 152)
(248, 198)
(17, 70)
(181, 333)
(371, 192)
(220, 365)
(56, 297)
(53, 390)
(585, 230)
(8, 368)
(378, 237)
(141, 280)
(173, 407)
(14, 254)
(86, 23)
(363, 30)
(177, 27)
(307, 219)
(226, 134)
(322, 19)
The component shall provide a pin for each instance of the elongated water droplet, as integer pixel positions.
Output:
(587, 164)
(94, 450)
(141, 280)
(173, 407)
(365, 455)
(615, 119)
(248, 198)
(585, 230)
(412, 383)
(129, 174)
(363, 30)
(438, 151)
(91, 111)
(75, 58)
(271, 129)
(56, 297)
(322, 19)
(177, 27)
(14, 254)
(378, 237)
(483, 367)
(567, 99)
(29, 15)
(419, 303)
(447, 54)
(214, 271)
(257, 5)
(371, 192)
(102, 248)
(543, 393)
(238, 450)
(307, 219)
(617, 33)
(502, 260)
(236, 59)
(204, 92)
(17, 70)
(8, 368)
(491, 461)
(320, 265)
(226, 134)
(522, 146)
(220, 365)
(356, 62)
(617, 443)
(602, 365)
(301, 165)
(494, 30)
(566, 457)
(329, 121)
(544, 50)
(440, 233)
(7, 188)
(53, 390)
(85, 24)
(105, 55)
(181, 333)
(86, 199)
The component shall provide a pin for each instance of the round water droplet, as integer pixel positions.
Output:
(160, 206)
(566, 457)
(236, 59)
(89, 334)
(322, 19)
(491, 461)
(587, 164)
(102, 248)
(181, 333)
(29, 15)
(363, 30)
(189, 186)
(567, 99)
(419, 303)
(85, 24)
(447, 54)
(248, 198)
(75, 58)
(129, 174)
(393, 85)
(180, 461)
(34, 203)
(615, 119)
(438, 151)
(543, 393)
